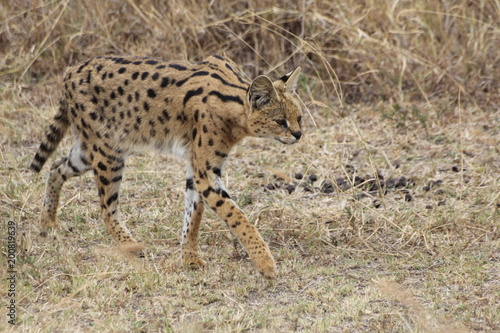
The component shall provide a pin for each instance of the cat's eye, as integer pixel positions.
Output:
(282, 122)
(299, 119)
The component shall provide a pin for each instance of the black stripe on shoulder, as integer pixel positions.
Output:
(192, 93)
(228, 66)
(224, 82)
(200, 73)
(226, 98)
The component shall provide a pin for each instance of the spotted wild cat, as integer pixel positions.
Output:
(197, 111)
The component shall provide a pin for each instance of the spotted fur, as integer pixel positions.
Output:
(197, 111)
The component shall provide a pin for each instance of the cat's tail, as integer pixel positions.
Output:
(53, 136)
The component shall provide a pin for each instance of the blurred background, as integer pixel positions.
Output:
(351, 51)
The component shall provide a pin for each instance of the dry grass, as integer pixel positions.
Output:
(394, 89)
(372, 50)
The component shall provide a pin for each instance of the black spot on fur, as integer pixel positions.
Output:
(73, 167)
(112, 198)
(40, 159)
(218, 153)
(84, 160)
(178, 67)
(102, 166)
(116, 179)
(206, 193)
(189, 184)
(182, 117)
(43, 147)
(164, 82)
(151, 93)
(104, 180)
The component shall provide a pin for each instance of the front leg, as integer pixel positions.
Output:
(192, 218)
(209, 186)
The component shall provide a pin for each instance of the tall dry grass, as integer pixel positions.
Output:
(402, 51)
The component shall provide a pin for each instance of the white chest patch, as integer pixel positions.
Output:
(177, 148)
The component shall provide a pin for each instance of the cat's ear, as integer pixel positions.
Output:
(290, 80)
(261, 92)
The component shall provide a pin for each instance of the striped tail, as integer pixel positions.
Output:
(53, 136)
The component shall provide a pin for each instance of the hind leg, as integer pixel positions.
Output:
(72, 165)
(108, 171)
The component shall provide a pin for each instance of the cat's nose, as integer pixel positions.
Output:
(297, 134)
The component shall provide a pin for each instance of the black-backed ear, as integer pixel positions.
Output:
(291, 79)
(261, 92)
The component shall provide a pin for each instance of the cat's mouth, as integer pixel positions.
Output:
(287, 141)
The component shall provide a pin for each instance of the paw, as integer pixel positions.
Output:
(48, 225)
(193, 261)
(195, 264)
(266, 267)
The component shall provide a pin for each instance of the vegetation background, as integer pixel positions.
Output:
(392, 228)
